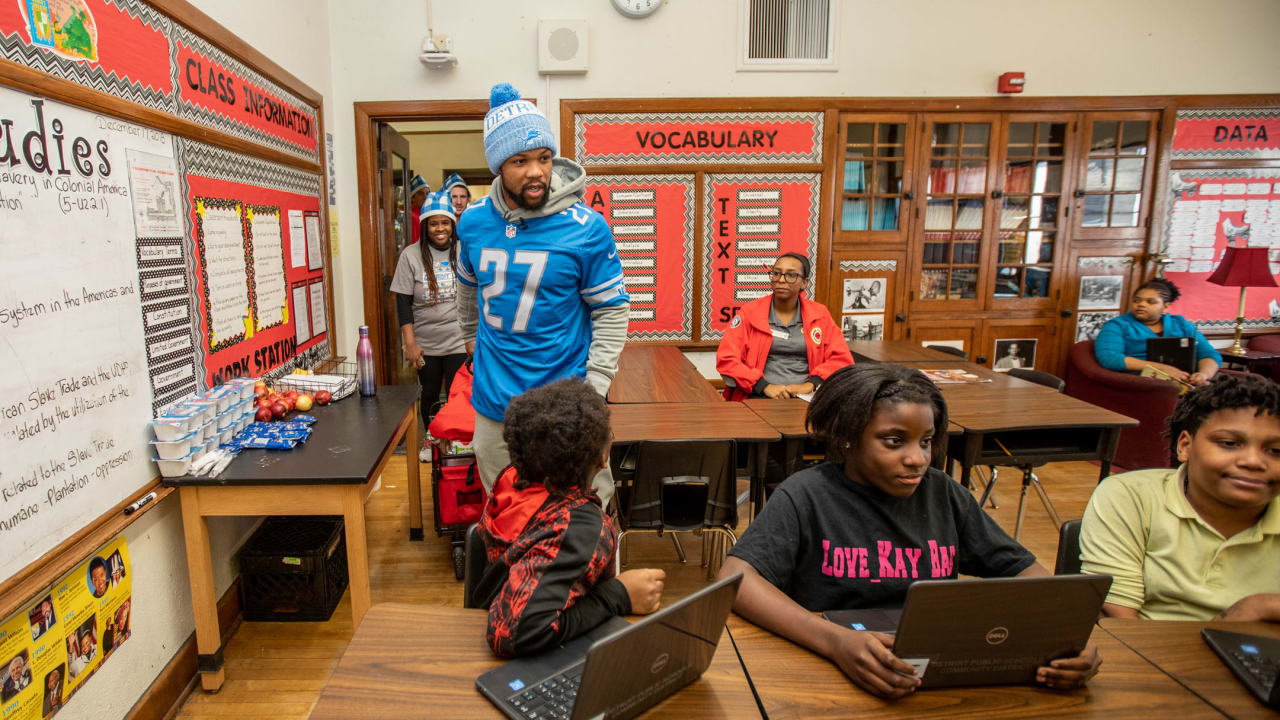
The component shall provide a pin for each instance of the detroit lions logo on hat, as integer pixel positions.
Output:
(532, 138)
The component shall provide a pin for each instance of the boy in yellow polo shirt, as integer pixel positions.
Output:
(1201, 541)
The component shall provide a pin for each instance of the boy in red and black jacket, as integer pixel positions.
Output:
(549, 542)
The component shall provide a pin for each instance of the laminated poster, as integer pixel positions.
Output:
(53, 646)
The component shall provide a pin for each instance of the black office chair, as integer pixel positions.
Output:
(475, 560)
(949, 350)
(682, 486)
(1068, 560)
(1029, 478)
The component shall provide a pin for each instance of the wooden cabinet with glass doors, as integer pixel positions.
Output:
(985, 204)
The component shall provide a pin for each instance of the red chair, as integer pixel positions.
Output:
(1266, 343)
(1147, 400)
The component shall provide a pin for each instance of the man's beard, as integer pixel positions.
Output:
(520, 201)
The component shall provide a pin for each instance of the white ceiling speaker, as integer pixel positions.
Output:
(562, 47)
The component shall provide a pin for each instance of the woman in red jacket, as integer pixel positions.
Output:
(781, 345)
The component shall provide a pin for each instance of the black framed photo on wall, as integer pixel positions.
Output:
(1014, 353)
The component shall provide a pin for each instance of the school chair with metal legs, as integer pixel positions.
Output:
(1029, 478)
(683, 486)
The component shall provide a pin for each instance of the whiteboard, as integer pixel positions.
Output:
(75, 391)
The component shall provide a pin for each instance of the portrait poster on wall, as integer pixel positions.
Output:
(52, 647)
(1014, 353)
(1100, 292)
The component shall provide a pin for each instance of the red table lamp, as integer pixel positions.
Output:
(1243, 267)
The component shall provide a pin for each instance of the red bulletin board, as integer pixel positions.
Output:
(1206, 208)
(265, 348)
(112, 44)
(748, 220)
(652, 221)
(649, 138)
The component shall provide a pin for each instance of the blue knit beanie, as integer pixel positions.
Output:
(438, 204)
(453, 179)
(512, 126)
(416, 184)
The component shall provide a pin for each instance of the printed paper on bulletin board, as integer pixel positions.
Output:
(51, 648)
(748, 221)
(245, 314)
(652, 221)
(1207, 209)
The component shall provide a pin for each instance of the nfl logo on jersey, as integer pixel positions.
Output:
(511, 231)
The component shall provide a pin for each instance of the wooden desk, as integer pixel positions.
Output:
(795, 683)
(658, 374)
(1262, 362)
(410, 661)
(998, 380)
(895, 351)
(1177, 649)
(332, 474)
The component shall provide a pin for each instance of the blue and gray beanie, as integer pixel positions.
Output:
(512, 126)
(453, 179)
(438, 204)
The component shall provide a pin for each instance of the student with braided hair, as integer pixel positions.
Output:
(1201, 540)
(858, 530)
(1121, 344)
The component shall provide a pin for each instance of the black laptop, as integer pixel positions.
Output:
(1180, 352)
(1254, 659)
(987, 632)
(617, 670)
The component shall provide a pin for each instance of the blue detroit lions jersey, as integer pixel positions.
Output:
(538, 281)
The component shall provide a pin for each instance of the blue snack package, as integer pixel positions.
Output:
(302, 419)
(270, 443)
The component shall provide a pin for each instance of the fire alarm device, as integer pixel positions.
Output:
(1011, 82)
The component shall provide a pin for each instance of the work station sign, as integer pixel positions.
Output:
(652, 221)
(748, 221)
(1214, 133)
(698, 138)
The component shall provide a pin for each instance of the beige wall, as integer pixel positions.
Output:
(435, 148)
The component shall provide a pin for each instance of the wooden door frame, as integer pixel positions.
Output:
(367, 117)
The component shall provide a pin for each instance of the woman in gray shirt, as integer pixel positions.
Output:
(424, 284)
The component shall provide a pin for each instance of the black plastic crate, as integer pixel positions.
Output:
(294, 568)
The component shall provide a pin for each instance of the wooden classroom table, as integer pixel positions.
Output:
(408, 661)
(1178, 650)
(895, 351)
(332, 474)
(795, 683)
(658, 374)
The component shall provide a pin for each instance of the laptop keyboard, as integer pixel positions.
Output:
(551, 699)
(1261, 667)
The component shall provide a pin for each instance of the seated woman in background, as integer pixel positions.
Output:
(1201, 541)
(1121, 345)
(783, 344)
(879, 495)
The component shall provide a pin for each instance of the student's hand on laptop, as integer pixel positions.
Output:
(1068, 673)
(1198, 379)
(644, 587)
(867, 658)
(1172, 371)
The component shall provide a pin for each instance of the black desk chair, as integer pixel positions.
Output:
(949, 350)
(1068, 560)
(1029, 478)
(682, 486)
(475, 560)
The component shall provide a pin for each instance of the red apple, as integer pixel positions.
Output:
(304, 403)
(289, 402)
(265, 402)
(323, 397)
(279, 410)
(260, 387)
(292, 394)
(263, 415)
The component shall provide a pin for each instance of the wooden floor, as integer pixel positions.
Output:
(275, 671)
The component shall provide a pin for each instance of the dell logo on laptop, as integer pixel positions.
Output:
(659, 663)
(997, 635)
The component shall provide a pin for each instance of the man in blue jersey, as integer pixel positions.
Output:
(544, 267)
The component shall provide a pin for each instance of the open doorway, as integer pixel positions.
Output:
(395, 141)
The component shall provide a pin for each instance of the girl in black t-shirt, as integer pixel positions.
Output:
(858, 530)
